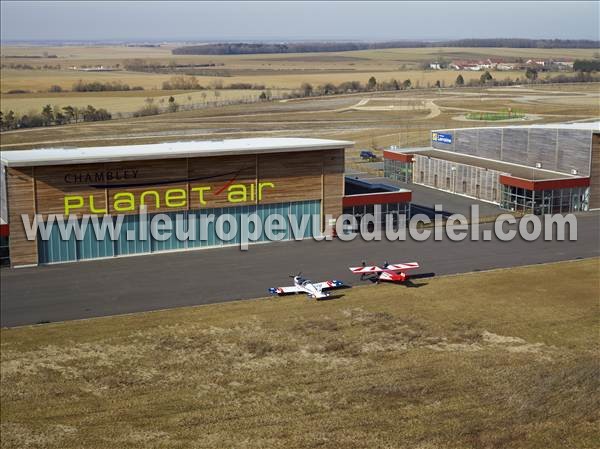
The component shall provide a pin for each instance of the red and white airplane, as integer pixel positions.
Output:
(388, 273)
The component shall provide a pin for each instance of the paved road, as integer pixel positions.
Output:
(133, 284)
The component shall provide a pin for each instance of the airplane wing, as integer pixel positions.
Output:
(365, 269)
(394, 267)
(284, 290)
(403, 266)
(329, 284)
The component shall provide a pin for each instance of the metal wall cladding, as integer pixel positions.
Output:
(542, 148)
(466, 141)
(574, 151)
(514, 145)
(490, 143)
(461, 179)
(562, 150)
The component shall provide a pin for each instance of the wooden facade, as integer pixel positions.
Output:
(21, 200)
(170, 185)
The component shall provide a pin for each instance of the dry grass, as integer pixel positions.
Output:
(505, 359)
(81, 55)
(282, 78)
(275, 70)
(330, 117)
(125, 102)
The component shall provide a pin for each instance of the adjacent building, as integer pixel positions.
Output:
(552, 168)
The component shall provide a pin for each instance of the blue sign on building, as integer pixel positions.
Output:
(441, 137)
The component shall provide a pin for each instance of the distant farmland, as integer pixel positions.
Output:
(243, 48)
(335, 116)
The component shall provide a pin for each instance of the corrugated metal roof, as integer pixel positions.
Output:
(170, 150)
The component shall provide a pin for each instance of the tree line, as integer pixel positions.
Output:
(584, 65)
(52, 117)
(86, 86)
(142, 65)
(97, 86)
(485, 79)
(244, 48)
(190, 82)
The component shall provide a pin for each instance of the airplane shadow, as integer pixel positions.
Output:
(409, 283)
(330, 297)
(422, 275)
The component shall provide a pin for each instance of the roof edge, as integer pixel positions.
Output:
(85, 155)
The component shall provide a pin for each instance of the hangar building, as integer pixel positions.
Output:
(552, 168)
(262, 175)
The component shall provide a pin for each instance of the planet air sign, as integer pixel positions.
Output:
(441, 138)
(125, 201)
(129, 191)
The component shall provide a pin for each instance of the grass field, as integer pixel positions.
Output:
(502, 359)
(275, 71)
(493, 116)
(41, 80)
(37, 83)
(372, 120)
(90, 55)
(126, 102)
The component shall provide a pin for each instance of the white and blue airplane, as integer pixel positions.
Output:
(302, 285)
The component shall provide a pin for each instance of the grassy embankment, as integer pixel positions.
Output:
(486, 360)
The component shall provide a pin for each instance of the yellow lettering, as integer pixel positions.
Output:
(93, 208)
(261, 186)
(150, 192)
(125, 198)
(176, 198)
(73, 202)
(236, 193)
(201, 191)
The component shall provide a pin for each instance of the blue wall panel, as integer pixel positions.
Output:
(130, 239)
(55, 249)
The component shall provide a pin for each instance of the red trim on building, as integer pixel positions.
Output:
(377, 198)
(4, 230)
(545, 184)
(402, 157)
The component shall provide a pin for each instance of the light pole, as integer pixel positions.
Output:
(453, 168)
(537, 165)
(412, 169)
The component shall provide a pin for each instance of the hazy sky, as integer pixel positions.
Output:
(142, 20)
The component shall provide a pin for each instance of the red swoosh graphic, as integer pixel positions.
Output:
(227, 184)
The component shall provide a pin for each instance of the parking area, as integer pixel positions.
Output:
(424, 199)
